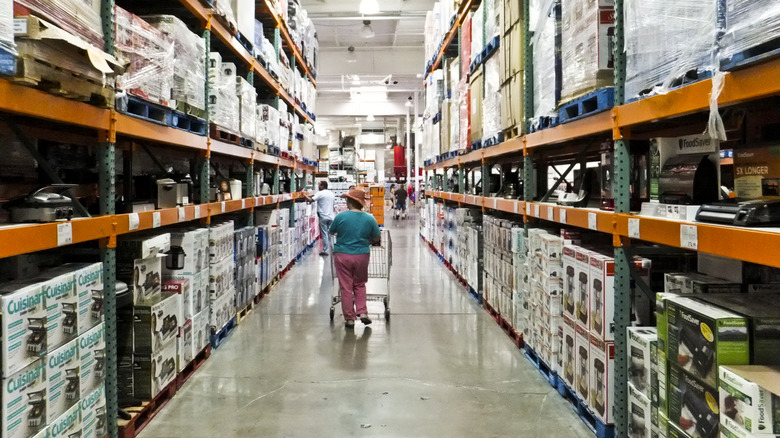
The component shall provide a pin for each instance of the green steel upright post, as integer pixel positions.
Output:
(275, 189)
(250, 193)
(528, 80)
(203, 161)
(461, 180)
(445, 183)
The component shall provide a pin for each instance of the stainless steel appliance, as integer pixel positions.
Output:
(757, 212)
(46, 204)
(688, 179)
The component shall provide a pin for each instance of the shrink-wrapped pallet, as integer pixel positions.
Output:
(587, 38)
(247, 96)
(224, 105)
(749, 25)
(79, 17)
(7, 26)
(464, 114)
(546, 57)
(491, 101)
(465, 46)
(477, 32)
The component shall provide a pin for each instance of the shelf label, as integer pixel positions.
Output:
(64, 233)
(182, 214)
(243, 203)
(222, 205)
(156, 219)
(593, 221)
(536, 211)
(689, 237)
(633, 228)
(551, 213)
(134, 220)
(517, 207)
(562, 215)
(495, 203)
(528, 208)
(257, 202)
(197, 212)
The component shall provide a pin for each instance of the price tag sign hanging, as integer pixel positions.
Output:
(64, 233)
(689, 237)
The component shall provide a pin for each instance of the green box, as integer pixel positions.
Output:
(693, 405)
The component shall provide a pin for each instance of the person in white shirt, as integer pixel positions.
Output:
(326, 211)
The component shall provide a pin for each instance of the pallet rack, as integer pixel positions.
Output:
(755, 245)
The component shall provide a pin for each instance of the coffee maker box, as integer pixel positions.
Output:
(92, 356)
(749, 397)
(62, 306)
(639, 414)
(93, 414)
(582, 356)
(642, 345)
(693, 404)
(182, 287)
(582, 294)
(569, 352)
(68, 424)
(24, 317)
(156, 323)
(63, 377)
(703, 337)
(24, 401)
(89, 288)
(570, 280)
(602, 385)
(153, 372)
(185, 348)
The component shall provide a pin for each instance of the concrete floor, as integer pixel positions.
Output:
(441, 368)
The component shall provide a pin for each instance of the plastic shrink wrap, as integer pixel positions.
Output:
(477, 31)
(189, 71)
(454, 109)
(224, 106)
(430, 43)
(749, 24)
(546, 58)
(150, 54)
(493, 12)
(247, 96)
(79, 17)
(587, 38)
(268, 125)
(465, 46)
(464, 111)
(269, 55)
(7, 26)
(491, 102)
(667, 41)
(224, 9)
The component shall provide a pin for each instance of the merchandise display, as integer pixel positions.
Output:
(63, 380)
(92, 354)
(224, 104)
(587, 35)
(748, 398)
(93, 414)
(24, 317)
(68, 424)
(79, 17)
(748, 25)
(62, 306)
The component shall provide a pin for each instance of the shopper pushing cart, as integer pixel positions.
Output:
(361, 251)
(400, 195)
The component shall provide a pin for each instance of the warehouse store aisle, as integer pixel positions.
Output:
(442, 367)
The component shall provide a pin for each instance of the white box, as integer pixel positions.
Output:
(569, 352)
(221, 277)
(68, 424)
(201, 332)
(146, 283)
(25, 398)
(195, 245)
(156, 323)
(731, 429)
(93, 414)
(602, 292)
(92, 355)
(639, 417)
(583, 366)
(89, 288)
(602, 386)
(570, 280)
(582, 296)
(43, 434)
(152, 373)
(182, 287)
(552, 246)
(185, 349)
(642, 344)
(24, 319)
(63, 374)
(749, 396)
(222, 309)
(62, 306)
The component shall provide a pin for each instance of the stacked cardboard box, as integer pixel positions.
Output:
(247, 101)
(512, 67)
(586, 46)
(545, 293)
(224, 103)
(222, 289)
(245, 272)
(499, 265)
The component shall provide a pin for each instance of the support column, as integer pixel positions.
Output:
(485, 179)
(275, 188)
(461, 180)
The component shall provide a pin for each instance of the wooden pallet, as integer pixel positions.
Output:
(42, 75)
(514, 131)
(244, 313)
(143, 414)
(193, 366)
(583, 411)
(218, 133)
(143, 109)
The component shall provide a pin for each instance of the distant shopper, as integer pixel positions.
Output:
(355, 231)
(326, 211)
(400, 202)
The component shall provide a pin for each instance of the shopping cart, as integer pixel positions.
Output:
(378, 285)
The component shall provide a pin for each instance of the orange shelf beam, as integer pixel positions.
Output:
(26, 101)
(141, 129)
(23, 239)
(465, 7)
(600, 123)
(232, 150)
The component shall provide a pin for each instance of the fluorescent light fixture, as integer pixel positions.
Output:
(369, 7)
(351, 55)
(367, 32)
(369, 94)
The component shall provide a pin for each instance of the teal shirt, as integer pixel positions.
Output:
(354, 230)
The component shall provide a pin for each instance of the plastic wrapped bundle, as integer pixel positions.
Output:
(587, 31)
(7, 26)
(749, 24)
(150, 54)
(269, 55)
(547, 79)
(259, 36)
(79, 17)
(269, 116)
(491, 103)
(493, 11)
(189, 73)
(465, 46)
(247, 96)
(430, 43)
(455, 123)
(464, 111)
(477, 31)
(224, 106)
(667, 40)
(224, 9)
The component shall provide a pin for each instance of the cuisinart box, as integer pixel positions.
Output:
(749, 397)
(693, 405)
(183, 287)
(68, 425)
(156, 323)
(24, 401)
(89, 288)
(62, 306)
(185, 349)
(702, 337)
(639, 417)
(642, 345)
(93, 414)
(602, 387)
(63, 376)
(152, 373)
(201, 332)
(139, 264)
(92, 355)
(582, 356)
(24, 329)
(757, 172)
(569, 352)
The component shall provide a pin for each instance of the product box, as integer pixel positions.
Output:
(63, 377)
(68, 425)
(735, 270)
(569, 352)
(731, 429)
(695, 283)
(185, 348)
(146, 283)
(675, 431)
(661, 429)
(93, 414)
(92, 356)
(25, 398)
(476, 90)
(152, 373)
(658, 378)
(183, 288)
(139, 264)
(201, 332)
(602, 385)
(642, 345)
(693, 405)
(639, 411)
(582, 356)
(195, 245)
(222, 310)
(582, 295)
(749, 397)
(221, 277)
(62, 306)
(89, 288)
(43, 434)
(125, 382)
(602, 296)
(156, 323)
(23, 319)
(757, 172)
(702, 337)
(571, 282)
(661, 320)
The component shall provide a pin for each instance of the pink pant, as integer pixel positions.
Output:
(352, 271)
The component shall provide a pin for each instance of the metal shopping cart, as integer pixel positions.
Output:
(378, 286)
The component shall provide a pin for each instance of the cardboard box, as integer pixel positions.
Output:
(749, 397)
(221, 241)
(152, 373)
(222, 310)
(43, 434)
(639, 414)
(664, 148)
(195, 245)
(735, 270)
(156, 323)
(513, 13)
(93, 414)
(757, 172)
(62, 306)
(512, 114)
(185, 349)
(89, 288)
(731, 429)
(139, 264)
(24, 319)
(675, 431)
(132, 247)
(582, 294)
(512, 52)
(24, 397)
(221, 277)
(602, 378)
(693, 404)
(476, 90)
(63, 379)
(201, 332)
(92, 356)
(570, 280)
(602, 297)
(703, 337)
(658, 377)
(183, 288)
(642, 346)
(695, 283)
(569, 352)
(68, 424)
(582, 368)
(661, 429)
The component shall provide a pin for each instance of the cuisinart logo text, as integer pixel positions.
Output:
(59, 289)
(86, 279)
(25, 379)
(24, 303)
(63, 356)
(65, 424)
(92, 338)
(90, 400)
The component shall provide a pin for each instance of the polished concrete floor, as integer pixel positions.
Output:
(441, 368)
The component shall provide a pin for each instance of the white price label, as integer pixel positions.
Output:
(197, 212)
(222, 205)
(633, 228)
(495, 204)
(689, 237)
(64, 233)
(562, 214)
(243, 203)
(593, 222)
(257, 202)
(536, 211)
(528, 207)
(551, 213)
(134, 221)
(517, 207)
(156, 219)
(182, 214)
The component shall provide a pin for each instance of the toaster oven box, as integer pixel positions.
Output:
(182, 287)
(642, 346)
(582, 356)
(92, 356)
(749, 397)
(639, 414)
(62, 306)
(93, 414)
(602, 385)
(25, 397)
(139, 264)
(63, 377)
(153, 372)
(23, 320)
(156, 323)
(693, 404)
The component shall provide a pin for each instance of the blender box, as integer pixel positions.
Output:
(153, 372)
(67, 425)
(156, 323)
(693, 404)
(695, 283)
(642, 347)
(201, 332)
(200, 293)
(93, 414)
(552, 246)
(703, 336)
(24, 330)
(63, 375)
(749, 397)
(602, 295)
(582, 291)
(639, 414)
(62, 306)
(185, 349)
(24, 401)
(92, 356)
(582, 356)
(602, 385)
(89, 288)
(182, 287)
(570, 280)
(569, 351)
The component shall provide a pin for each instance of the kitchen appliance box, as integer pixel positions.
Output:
(220, 241)
(155, 323)
(23, 318)
(139, 264)
(89, 288)
(201, 332)
(569, 351)
(664, 148)
(93, 414)
(62, 306)
(185, 348)
(602, 298)
(731, 429)
(63, 373)
(703, 336)
(92, 356)
(182, 287)
(749, 397)
(68, 424)
(642, 346)
(582, 294)
(153, 372)
(661, 429)
(195, 244)
(658, 379)
(735, 270)
(44, 434)
(693, 404)
(695, 283)
(24, 397)
(602, 385)
(757, 171)
(582, 357)
(222, 310)
(639, 417)
(570, 280)
(221, 277)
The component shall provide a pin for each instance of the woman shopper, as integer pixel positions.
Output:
(355, 231)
